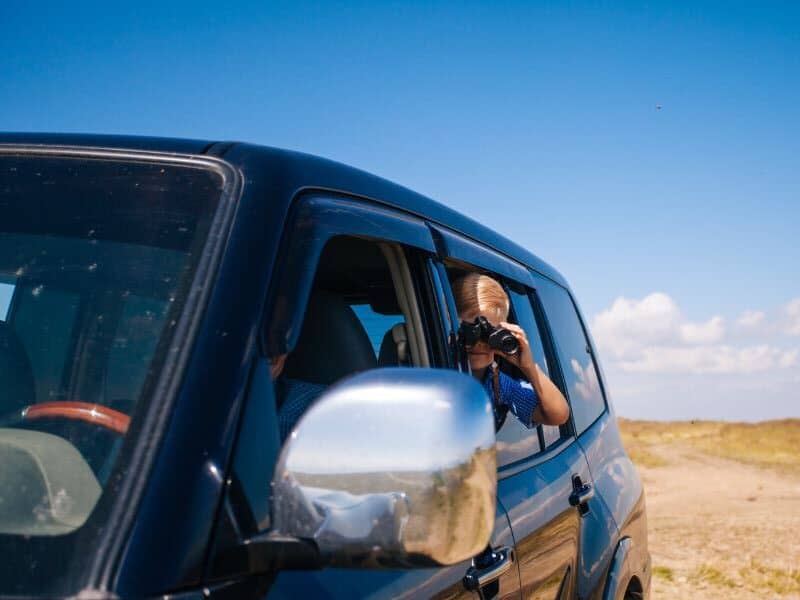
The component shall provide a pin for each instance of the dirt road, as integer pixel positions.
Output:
(720, 528)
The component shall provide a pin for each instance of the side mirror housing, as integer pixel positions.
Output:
(392, 467)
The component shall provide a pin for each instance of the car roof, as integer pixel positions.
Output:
(293, 172)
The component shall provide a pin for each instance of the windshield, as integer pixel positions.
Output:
(96, 259)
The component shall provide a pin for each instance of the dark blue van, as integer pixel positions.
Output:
(147, 287)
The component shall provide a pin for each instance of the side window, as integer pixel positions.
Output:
(509, 448)
(380, 327)
(515, 441)
(362, 314)
(580, 375)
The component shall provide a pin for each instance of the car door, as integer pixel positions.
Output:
(617, 490)
(548, 493)
(539, 469)
(316, 224)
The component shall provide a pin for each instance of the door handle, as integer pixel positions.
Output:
(499, 562)
(581, 494)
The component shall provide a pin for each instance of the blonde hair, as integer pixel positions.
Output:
(481, 293)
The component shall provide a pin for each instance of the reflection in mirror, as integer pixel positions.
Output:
(393, 467)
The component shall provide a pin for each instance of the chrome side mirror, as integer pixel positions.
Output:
(392, 467)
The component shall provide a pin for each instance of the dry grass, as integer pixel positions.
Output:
(774, 444)
(723, 504)
(640, 455)
(664, 573)
(712, 575)
(780, 581)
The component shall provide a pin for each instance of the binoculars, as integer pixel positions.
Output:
(481, 330)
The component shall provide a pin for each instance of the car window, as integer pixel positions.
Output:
(362, 314)
(574, 353)
(341, 304)
(44, 318)
(377, 325)
(549, 434)
(515, 441)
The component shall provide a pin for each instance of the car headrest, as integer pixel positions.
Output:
(394, 347)
(332, 343)
(16, 375)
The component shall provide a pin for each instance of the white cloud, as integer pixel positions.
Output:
(792, 313)
(703, 333)
(788, 358)
(720, 359)
(587, 385)
(652, 335)
(629, 324)
(751, 319)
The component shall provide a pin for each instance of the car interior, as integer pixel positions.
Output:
(83, 322)
(362, 314)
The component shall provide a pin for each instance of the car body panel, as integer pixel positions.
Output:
(442, 582)
(546, 527)
(620, 488)
(163, 542)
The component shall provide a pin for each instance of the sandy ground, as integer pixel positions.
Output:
(721, 529)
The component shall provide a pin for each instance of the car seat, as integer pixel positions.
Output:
(332, 343)
(394, 348)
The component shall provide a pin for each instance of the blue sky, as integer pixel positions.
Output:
(538, 119)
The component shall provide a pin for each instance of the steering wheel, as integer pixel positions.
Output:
(97, 414)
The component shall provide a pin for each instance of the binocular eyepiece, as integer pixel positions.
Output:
(498, 338)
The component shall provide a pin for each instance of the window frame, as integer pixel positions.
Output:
(453, 247)
(324, 217)
(313, 220)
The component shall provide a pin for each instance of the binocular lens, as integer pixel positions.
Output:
(497, 337)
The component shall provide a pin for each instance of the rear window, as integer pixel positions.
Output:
(96, 261)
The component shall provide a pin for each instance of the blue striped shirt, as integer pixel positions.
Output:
(516, 395)
(294, 397)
